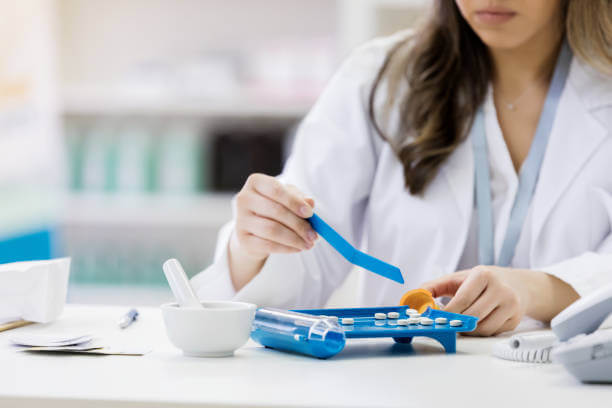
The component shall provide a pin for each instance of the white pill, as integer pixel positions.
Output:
(403, 322)
(348, 320)
(414, 320)
(415, 315)
(333, 318)
(441, 320)
(379, 323)
(392, 315)
(456, 323)
(411, 311)
(380, 316)
(426, 321)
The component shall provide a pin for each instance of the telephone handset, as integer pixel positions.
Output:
(576, 343)
(585, 351)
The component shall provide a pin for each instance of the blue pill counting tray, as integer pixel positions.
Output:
(315, 332)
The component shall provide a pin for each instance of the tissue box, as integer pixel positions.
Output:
(33, 291)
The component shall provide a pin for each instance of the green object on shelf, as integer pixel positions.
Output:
(151, 163)
(179, 159)
(75, 145)
(111, 160)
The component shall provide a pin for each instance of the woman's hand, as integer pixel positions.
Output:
(495, 295)
(270, 218)
(500, 297)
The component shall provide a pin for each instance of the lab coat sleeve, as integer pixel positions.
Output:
(585, 273)
(591, 270)
(333, 160)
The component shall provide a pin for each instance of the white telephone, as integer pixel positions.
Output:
(576, 344)
(585, 351)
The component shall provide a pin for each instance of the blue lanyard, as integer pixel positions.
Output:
(528, 175)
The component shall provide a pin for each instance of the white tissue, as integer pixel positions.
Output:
(33, 291)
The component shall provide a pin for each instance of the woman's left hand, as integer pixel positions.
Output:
(497, 296)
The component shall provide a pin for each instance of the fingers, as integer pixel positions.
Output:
(510, 324)
(446, 285)
(273, 189)
(498, 321)
(486, 294)
(310, 201)
(274, 211)
(293, 189)
(470, 290)
(264, 246)
(483, 306)
(276, 232)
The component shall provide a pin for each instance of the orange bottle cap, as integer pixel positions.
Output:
(419, 299)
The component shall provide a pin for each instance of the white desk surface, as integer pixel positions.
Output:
(367, 373)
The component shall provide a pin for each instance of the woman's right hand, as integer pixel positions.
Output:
(270, 218)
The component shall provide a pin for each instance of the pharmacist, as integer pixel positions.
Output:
(474, 153)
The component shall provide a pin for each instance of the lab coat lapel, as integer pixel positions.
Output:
(459, 173)
(575, 136)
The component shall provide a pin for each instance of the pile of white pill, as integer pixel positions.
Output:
(413, 318)
(412, 313)
(426, 321)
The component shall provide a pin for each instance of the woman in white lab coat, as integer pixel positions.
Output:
(392, 154)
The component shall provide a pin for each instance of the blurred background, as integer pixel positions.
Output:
(127, 125)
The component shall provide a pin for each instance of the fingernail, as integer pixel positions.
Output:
(305, 211)
(311, 235)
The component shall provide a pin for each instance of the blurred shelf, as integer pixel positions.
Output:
(97, 105)
(123, 295)
(108, 210)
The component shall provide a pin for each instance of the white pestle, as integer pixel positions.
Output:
(177, 279)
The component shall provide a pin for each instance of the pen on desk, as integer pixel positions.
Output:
(128, 318)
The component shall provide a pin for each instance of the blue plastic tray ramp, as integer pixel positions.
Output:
(307, 332)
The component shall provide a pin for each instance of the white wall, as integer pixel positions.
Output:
(101, 40)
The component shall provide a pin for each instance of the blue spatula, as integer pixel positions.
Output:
(352, 254)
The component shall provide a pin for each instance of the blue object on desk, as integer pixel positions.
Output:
(128, 318)
(352, 254)
(308, 332)
(28, 246)
(297, 332)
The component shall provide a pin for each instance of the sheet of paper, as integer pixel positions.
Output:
(109, 350)
(50, 339)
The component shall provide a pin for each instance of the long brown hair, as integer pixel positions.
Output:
(447, 69)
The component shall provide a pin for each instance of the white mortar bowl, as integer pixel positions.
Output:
(217, 330)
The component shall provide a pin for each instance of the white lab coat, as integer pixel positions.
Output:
(358, 186)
